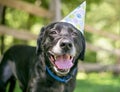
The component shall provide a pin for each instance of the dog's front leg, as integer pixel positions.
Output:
(36, 85)
(38, 75)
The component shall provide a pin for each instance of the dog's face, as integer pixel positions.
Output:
(62, 45)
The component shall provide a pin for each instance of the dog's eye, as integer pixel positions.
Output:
(74, 34)
(53, 32)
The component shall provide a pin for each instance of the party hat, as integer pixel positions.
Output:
(77, 17)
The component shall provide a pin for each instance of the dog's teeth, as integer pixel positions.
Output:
(68, 56)
(52, 58)
(55, 57)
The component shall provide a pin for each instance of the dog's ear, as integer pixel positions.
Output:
(41, 37)
(39, 41)
(81, 56)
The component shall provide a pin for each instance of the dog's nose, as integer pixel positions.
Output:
(66, 44)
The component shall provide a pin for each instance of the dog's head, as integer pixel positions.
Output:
(62, 45)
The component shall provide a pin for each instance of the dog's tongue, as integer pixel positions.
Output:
(63, 62)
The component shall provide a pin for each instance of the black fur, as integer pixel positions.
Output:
(28, 64)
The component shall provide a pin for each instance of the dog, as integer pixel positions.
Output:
(51, 66)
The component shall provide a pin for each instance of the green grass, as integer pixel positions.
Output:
(95, 82)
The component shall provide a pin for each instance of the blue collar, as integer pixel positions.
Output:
(64, 79)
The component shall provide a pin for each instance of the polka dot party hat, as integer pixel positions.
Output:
(77, 17)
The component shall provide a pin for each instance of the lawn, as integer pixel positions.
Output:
(94, 82)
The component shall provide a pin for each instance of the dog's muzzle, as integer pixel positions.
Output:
(62, 57)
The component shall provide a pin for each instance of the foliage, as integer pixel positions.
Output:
(105, 15)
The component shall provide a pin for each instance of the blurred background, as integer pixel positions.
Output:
(21, 21)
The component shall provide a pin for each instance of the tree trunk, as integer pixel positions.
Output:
(55, 8)
(2, 21)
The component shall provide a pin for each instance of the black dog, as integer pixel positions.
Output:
(49, 67)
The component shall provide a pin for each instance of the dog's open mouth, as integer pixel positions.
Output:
(61, 63)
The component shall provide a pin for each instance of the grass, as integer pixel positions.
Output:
(95, 82)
